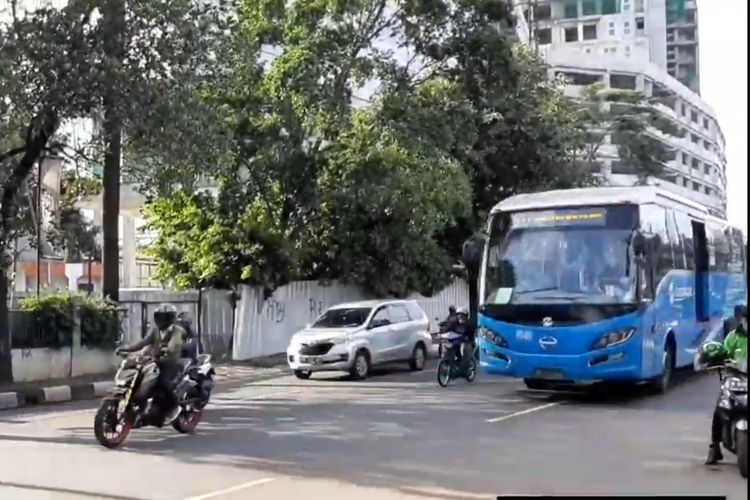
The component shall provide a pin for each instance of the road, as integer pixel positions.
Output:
(396, 435)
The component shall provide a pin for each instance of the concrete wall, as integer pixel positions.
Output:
(43, 363)
(265, 327)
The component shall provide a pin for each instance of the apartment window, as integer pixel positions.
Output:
(684, 110)
(639, 5)
(617, 81)
(625, 5)
(580, 78)
(705, 123)
(696, 187)
(694, 116)
(707, 145)
(707, 169)
(696, 163)
(571, 34)
(626, 28)
(709, 191)
(694, 139)
(571, 9)
(587, 50)
(544, 36)
(542, 12)
(613, 50)
(627, 50)
(685, 159)
(588, 7)
(640, 25)
(609, 6)
(611, 29)
(589, 31)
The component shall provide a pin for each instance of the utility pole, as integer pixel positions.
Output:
(113, 17)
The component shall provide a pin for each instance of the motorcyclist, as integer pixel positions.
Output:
(464, 327)
(190, 341)
(733, 322)
(734, 348)
(166, 337)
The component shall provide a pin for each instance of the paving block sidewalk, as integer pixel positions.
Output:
(17, 395)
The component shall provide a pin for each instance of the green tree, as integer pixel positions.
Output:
(636, 127)
(56, 66)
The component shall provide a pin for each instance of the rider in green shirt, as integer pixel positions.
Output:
(734, 348)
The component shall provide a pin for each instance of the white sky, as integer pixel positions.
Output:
(722, 26)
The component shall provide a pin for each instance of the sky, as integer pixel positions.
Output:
(722, 31)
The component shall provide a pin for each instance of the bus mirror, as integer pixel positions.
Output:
(639, 244)
(471, 253)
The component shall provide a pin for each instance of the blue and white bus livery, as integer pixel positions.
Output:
(604, 284)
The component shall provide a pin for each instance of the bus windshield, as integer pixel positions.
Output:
(557, 257)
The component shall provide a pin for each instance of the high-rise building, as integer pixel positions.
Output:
(646, 45)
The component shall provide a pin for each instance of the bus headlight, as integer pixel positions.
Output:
(614, 338)
(493, 337)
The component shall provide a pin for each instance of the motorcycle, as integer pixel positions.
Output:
(448, 368)
(137, 401)
(732, 407)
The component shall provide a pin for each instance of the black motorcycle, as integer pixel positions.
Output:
(138, 401)
(733, 411)
(449, 368)
(732, 407)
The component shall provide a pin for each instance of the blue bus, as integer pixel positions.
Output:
(604, 284)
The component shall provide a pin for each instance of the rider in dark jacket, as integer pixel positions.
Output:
(464, 327)
(167, 340)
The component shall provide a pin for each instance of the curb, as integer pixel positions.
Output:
(95, 390)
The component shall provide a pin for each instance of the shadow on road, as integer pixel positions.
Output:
(396, 437)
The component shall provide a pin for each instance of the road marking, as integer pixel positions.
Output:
(519, 413)
(232, 489)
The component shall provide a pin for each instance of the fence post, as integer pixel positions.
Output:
(75, 343)
(199, 320)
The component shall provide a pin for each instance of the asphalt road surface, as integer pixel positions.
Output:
(396, 435)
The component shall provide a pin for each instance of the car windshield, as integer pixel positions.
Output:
(555, 264)
(343, 317)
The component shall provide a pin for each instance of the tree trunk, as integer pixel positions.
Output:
(114, 19)
(6, 366)
(40, 131)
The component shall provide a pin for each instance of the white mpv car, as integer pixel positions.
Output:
(356, 336)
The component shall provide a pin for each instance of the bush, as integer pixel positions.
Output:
(49, 322)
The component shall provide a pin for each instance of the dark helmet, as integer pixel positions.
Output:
(452, 310)
(165, 316)
(740, 311)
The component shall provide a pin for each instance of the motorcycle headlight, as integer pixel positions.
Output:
(735, 384)
(124, 376)
(493, 337)
(614, 338)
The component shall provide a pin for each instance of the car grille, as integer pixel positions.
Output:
(315, 349)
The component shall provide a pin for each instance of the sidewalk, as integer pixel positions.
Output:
(17, 395)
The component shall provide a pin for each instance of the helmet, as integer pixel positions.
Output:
(462, 310)
(185, 317)
(164, 316)
(709, 351)
(451, 309)
(740, 311)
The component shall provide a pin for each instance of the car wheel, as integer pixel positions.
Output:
(418, 358)
(302, 374)
(361, 366)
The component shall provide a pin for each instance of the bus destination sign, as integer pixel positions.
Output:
(545, 218)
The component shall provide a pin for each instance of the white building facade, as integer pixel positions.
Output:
(646, 45)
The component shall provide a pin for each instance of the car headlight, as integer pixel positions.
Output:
(614, 338)
(493, 337)
(339, 340)
(735, 384)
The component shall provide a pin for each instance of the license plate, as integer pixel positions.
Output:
(548, 374)
(304, 359)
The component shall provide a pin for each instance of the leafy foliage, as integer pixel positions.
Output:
(49, 321)
(635, 126)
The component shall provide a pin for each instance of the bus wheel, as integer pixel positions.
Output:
(662, 384)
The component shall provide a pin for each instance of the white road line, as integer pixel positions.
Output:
(232, 489)
(519, 413)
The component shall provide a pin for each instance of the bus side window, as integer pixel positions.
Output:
(685, 230)
(654, 223)
(678, 251)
